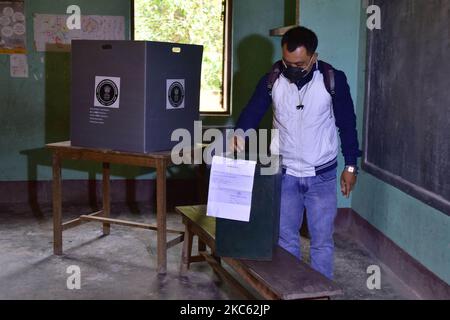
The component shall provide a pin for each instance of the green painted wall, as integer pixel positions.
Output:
(334, 23)
(254, 51)
(420, 230)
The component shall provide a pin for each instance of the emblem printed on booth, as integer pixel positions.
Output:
(175, 94)
(107, 92)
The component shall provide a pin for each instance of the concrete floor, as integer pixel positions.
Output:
(122, 265)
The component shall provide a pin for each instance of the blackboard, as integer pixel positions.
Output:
(407, 114)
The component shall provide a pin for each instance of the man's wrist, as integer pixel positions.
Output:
(352, 169)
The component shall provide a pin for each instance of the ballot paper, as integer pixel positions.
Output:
(230, 188)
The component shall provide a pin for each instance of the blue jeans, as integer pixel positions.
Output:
(319, 196)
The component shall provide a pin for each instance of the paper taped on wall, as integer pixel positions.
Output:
(19, 66)
(52, 34)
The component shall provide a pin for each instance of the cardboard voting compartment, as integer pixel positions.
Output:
(131, 95)
(256, 239)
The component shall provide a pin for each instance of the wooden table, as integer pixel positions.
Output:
(158, 160)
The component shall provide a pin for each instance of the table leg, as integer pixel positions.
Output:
(187, 250)
(161, 216)
(57, 205)
(106, 197)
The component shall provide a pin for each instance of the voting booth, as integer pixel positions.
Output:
(131, 95)
(257, 238)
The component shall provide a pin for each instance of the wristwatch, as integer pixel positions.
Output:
(352, 169)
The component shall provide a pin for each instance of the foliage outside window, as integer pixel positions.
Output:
(192, 22)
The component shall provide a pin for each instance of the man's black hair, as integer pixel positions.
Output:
(300, 37)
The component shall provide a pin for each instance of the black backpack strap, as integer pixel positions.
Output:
(275, 72)
(330, 83)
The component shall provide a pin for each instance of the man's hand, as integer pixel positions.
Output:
(237, 143)
(348, 181)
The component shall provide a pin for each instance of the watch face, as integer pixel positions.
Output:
(351, 169)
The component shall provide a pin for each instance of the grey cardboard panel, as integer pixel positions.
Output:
(256, 239)
(123, 128)
(184, 65)
(119, 89)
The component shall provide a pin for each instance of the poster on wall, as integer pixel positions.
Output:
(52, 34)
(18, 66)
(12, 28)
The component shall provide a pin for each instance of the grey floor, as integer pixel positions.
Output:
(122, 265)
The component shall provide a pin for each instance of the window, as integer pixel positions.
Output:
(204, 22)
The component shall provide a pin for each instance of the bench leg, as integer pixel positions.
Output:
(217, 258)
(224, 275)
(187, 250)
(219, 262)
(201, 245)
(106, 197)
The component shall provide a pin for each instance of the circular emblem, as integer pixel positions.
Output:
(107, 92)
(176, 94)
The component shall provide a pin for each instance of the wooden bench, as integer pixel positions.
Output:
(285, 277)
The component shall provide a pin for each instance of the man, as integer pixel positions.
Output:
(310, 99)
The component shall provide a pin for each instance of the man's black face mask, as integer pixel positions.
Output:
(295, 74)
